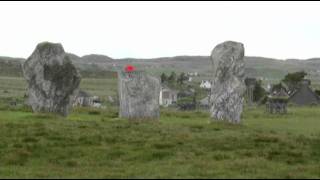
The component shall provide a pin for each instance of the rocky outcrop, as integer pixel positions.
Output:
(52, 79)
(228, 82)
(139, 95)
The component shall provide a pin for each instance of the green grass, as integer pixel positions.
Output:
(94, 143)
(15, 87)
(12, 87)
(100, 87)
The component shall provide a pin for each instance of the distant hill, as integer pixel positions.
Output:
(92, 58)
(99, 65)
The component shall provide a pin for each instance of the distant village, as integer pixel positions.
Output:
(183, 92)
(293, 89)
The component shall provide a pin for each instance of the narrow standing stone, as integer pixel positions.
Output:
(228, 86)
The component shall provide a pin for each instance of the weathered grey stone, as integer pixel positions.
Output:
(138, 95)
(228, 86)
(52, 79)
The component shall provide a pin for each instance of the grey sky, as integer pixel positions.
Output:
(156, 29)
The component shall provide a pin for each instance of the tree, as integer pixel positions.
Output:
(164, 78)
(258, 92)
(172, 78)
(293, 79)
(182, 77)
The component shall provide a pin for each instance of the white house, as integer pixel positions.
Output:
(96, 102)
(192, 73)
(206, 84)
(268, 87)
(167, 96)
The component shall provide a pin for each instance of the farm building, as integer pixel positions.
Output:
(278, 99)
(206, 84)
(280, 89)
(84, 99)
(304, 95)
(192, 74)
(277, 104)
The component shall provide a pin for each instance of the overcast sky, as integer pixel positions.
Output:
(156, 29)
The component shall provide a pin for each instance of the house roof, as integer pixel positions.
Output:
(304, 95)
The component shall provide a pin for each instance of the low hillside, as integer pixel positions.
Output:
(100, 66)
(10, 66)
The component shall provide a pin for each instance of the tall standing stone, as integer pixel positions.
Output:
(138, 95)
(228, 86)
(52, 79)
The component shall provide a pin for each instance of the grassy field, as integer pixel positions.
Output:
(15, 87)
(93, 143)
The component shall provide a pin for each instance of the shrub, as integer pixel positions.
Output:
(94, 112)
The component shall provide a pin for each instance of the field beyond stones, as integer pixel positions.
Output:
(95, 143)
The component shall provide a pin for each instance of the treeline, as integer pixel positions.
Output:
(173, 78)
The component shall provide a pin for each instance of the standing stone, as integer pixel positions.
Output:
(52, 79)
(138, 95)
(228, 86)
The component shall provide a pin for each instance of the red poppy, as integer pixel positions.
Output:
(129, 68)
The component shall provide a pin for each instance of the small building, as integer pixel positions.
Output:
(277, 99)
(192, 73)
(167, 96)
(206, 84)
(304, 95)
(280, 89)
(277, 104)
(84, 99)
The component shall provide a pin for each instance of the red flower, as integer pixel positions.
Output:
(129, 68)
